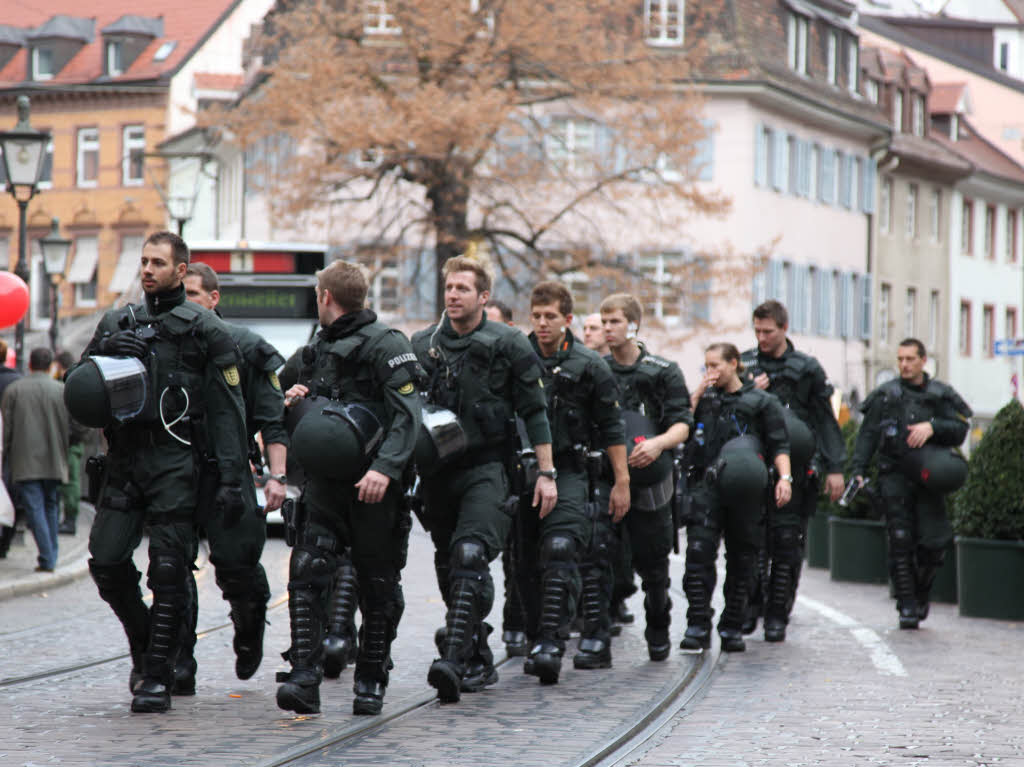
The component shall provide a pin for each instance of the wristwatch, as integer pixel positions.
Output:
(788, 478)
(549, 473)
(282, 478)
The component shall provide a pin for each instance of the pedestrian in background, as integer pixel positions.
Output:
(36, 428)
(71, 491)
(7, 376)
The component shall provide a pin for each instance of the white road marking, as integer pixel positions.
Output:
(881, 656)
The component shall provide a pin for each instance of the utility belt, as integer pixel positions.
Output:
(474, 458)
(140, 436)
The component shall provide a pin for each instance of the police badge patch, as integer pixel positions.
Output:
(231, 375)
(406, 388)
(274, 380)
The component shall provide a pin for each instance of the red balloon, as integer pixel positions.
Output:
(13, 299)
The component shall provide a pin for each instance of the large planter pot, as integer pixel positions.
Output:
(817, 540)
(990, 578)
(857, 550)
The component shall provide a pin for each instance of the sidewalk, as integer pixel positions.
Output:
(17, 570)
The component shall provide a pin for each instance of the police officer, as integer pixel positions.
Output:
(908, 421)
(653, 387)
(264, 414)
(583, 410)
(741, 426)
(179, 461)
(799, 382)
(485, 373)
(358, 384)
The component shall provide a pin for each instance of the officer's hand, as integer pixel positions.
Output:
(919, 433)
(545, 495)
(762, 381)
(618, 501)
(274, 493)
(860, 481)
(297, 392)
(783, 492)
(644, 454)
(123, 343)
(372, 486)
(229, 504)
(834, 486)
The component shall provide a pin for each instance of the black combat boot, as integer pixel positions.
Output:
(699, 584)
(657, 606)
(739, 576)
(595, 650)
(446, 672)
(758, 593)
(299, 689)
(480, 671)
(382, 605)
(928, 563)
(558, 561)
(340, 644)
(118, 586)
(779, 597)
(167, 582)
(185, 667)
(247, 590)
(902, 572)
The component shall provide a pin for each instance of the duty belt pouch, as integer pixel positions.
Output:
(96, 471)
(653, 497)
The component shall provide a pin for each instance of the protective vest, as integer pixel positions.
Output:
(905, 405)
(640, 387)
(572, 395)
(791, 377)
(726, 416)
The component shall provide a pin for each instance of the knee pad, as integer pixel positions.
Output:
(901, 539)
(557, 550)
(166, 569)
(237, 582)
(469, 554)
(310, 566)
(701, 551)
(121, 576)
(786, 538)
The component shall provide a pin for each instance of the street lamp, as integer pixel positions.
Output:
(23, 150)
(55, 258)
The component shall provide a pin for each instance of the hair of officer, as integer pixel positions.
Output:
(551, 292)
(729, 353)
(772, 310)
(914, 342)
(179, 250)
(3, 351)
(503, 309)
(346, 282)
(65, 359)
(481, 273)
(207, 277)
(40, 358)
(627, 304)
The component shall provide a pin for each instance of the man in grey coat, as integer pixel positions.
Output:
(36, 428)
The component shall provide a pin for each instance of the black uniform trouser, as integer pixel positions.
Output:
(598, 568)
(650, 535)
(783, 553)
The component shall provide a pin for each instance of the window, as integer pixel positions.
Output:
(115, 59)
(813, 170)
(82, 272)
(827, 183)
(933, 318)
(377, 20)
(988, 329)
(885, 207)
(911, 224)
(793, 154)
(1011, 323)
(871, 90)
(88, 165)
(964, 333)
(796, 43)
(884, 296)
(165, 50)
(990, 232)
(910, 313)
(42, 64)
(935, 215)
(46, 174)
(570, 144)
(384, 295)
(762, 150)
(967, 228)
(663, 22)
(784, 290)
(832, 58)
(917, 116)
(954, 127)
(657, 294)
(1011, 236)
(1004, 56)
(133, 157)
(897, 111)
(852, 65)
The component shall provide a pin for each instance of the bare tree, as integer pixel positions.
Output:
(517, 124)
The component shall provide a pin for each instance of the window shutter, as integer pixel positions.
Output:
(870, 174)
(865, 316)
(799, 306)
(780, 169)
(828, 176)
(760, 155)
(844, 179)
(805, 168)
(774, 287)
(704, 162)
(846, 305)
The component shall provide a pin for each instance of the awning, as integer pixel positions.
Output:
(126, 273)
(83, 267)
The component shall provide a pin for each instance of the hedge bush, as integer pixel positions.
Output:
(991, 502)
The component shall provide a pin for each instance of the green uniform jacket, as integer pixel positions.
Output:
(264, 400)
(583, 398)
(747, 411)
(359, 360)
(655, 387)
(192, 351)
(799, 382)
(485, 377)
(894, 406)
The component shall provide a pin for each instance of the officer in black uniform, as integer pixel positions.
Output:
(179, 461)
(264, 414)
(584, 413)
(740, 427)
(358, 384)
(485, 373)
(654, 388)
(913, 423)
(799, 382)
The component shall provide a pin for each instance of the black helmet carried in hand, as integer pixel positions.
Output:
(440, 441)
(336, 441)
(638, 429)
(801, 442)
(740, 472)
(103, 391)
(940, 470)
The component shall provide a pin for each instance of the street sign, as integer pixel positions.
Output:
(1010, 347)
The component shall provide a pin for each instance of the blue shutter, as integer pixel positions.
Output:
(865, 316)
(759, 284)
(798, 304)
(760, 155)
(704, 161)
(774, 287)
(827, 186)
(779, 170)
(870, 178)
(805, 168)
(846, 300)
(842, 160)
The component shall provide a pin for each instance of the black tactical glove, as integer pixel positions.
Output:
(230, 504)
(124, 343)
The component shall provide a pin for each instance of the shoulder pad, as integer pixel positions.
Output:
(654, 359)
(948, 393)
(264, 356)
(871, 398)
(187, 311)
(749, 357)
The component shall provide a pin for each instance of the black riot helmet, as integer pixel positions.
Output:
(103, 391)
(801, 442)
(440, 441)
(335, 440)
(639, 428)
(938, 469)
(741, 474)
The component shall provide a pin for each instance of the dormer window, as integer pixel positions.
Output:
(897, 110)
(42, 63)
(115, 58)
(917, 114)
(126, 39)
(663, 22)
(796, 43)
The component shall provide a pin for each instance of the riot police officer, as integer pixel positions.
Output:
(264, 414)
(654, 391)
(181, 458)
(358, 385)
(584, 413)
(913, 423)
(739, 425)
(484, 373)
(799, 382)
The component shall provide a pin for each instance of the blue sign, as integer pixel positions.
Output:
(1010, 347)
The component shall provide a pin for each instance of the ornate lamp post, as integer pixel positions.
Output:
(24, 150)
(55, 258)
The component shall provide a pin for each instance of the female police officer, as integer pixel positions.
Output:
(737, 426)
